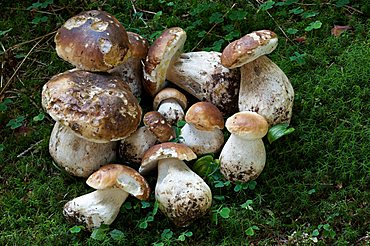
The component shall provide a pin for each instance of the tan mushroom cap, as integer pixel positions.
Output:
(93, 41)
(165, 48)
(139, 46)
(97, 107)
(249, 125)
(164, 151)
(205, 116)
(249, 48)
(158, 125)
(123, 177)
(170, 93)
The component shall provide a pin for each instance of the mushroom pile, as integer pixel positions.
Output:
(99, 121)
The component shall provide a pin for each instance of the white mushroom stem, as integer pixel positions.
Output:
(242, 159)
(182, 195)
(134, 147)
(202, 75)
(266, 90)
(76, 155)
(171, 110)
(95, 208)
(201, 141)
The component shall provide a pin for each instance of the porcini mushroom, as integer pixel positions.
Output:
(155, 129)
(171, 103)
(264, 88)
(202, 131)
(202, 75)
(131, 71)
(182, 195)
(76, 155)
(97, 107)
(114, 183)
(243, 156)
(92, 40)
(167, 47)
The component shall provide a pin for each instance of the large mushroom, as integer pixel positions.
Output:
(243, 156)
(93, 40)
(171, 103)
(264, 88)
(202, 131)
(182, 195)
(113, 184)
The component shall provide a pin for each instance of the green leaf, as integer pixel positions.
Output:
(278, 131)
(39, 19)
(2, 33)
(100, 233)
(181, 123)
(155, 208)
(225, 213)
(157, 16)
(15, 123)
(217, 45)
(237, 14)
(309, 14)
(250, 230)
(202, 165)
(127, 205)
(219, 184)
(76, 229)
(201, 34)
(219, 198)
(296, 11)
(150, 218)
(299, 58)
(216, 18)
(313, 25)
(117, 235)
(342, 3)
(315, 233)
(232, 35)
(181, 238)
(238, 188)
(247, 205)
(252, 184)
(267, 5)
(167, 234)
(39, 117)
(2, 147)
(311, 191)
(143, 224)
(326, 227)
(292, 31)
(188, 233)
(145, 204)
(4, 104)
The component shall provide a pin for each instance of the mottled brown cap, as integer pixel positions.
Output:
(166, 47)
(170, 93)
(204, 116)
(139, 46)
(248, 125)
(164, 151)
(123, 177)
(249, 48)
(93, 41)
(158, 125)
(97, 107)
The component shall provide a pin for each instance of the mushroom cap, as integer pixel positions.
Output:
(93, 41)
(249, 48)
(138, 45)
(205, 116)
(248, 125)
(123, 177)
(170, 93)
(97, 107)
(158, 125)
(165, 48)
(163, 151)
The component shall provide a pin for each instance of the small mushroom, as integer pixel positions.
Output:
(202, 75)
(243, 156)
(114, 183)
(93, 40)
(166, 47)
(202, 131)
(155, 129)
(97, 107)
(76, 155)
(131, 71)
(171, 103)
(182, 195)
(264, 88)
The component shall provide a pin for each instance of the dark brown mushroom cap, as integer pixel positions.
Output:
(205, 116)
(93, 41)
(97, 107)
(165, 48)
(249, 125)
(249, 48)
(123, 177)
(158, 125)
(170, 93)
(139, 46)
(164, 151)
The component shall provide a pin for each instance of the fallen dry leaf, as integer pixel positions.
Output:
(338, 30)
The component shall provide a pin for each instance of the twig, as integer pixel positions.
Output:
(210, 30)
(2, 66)
(281, 29)
(30, 148)
(364, 238)
(30, 41)
(134, 8)
(17, 69)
